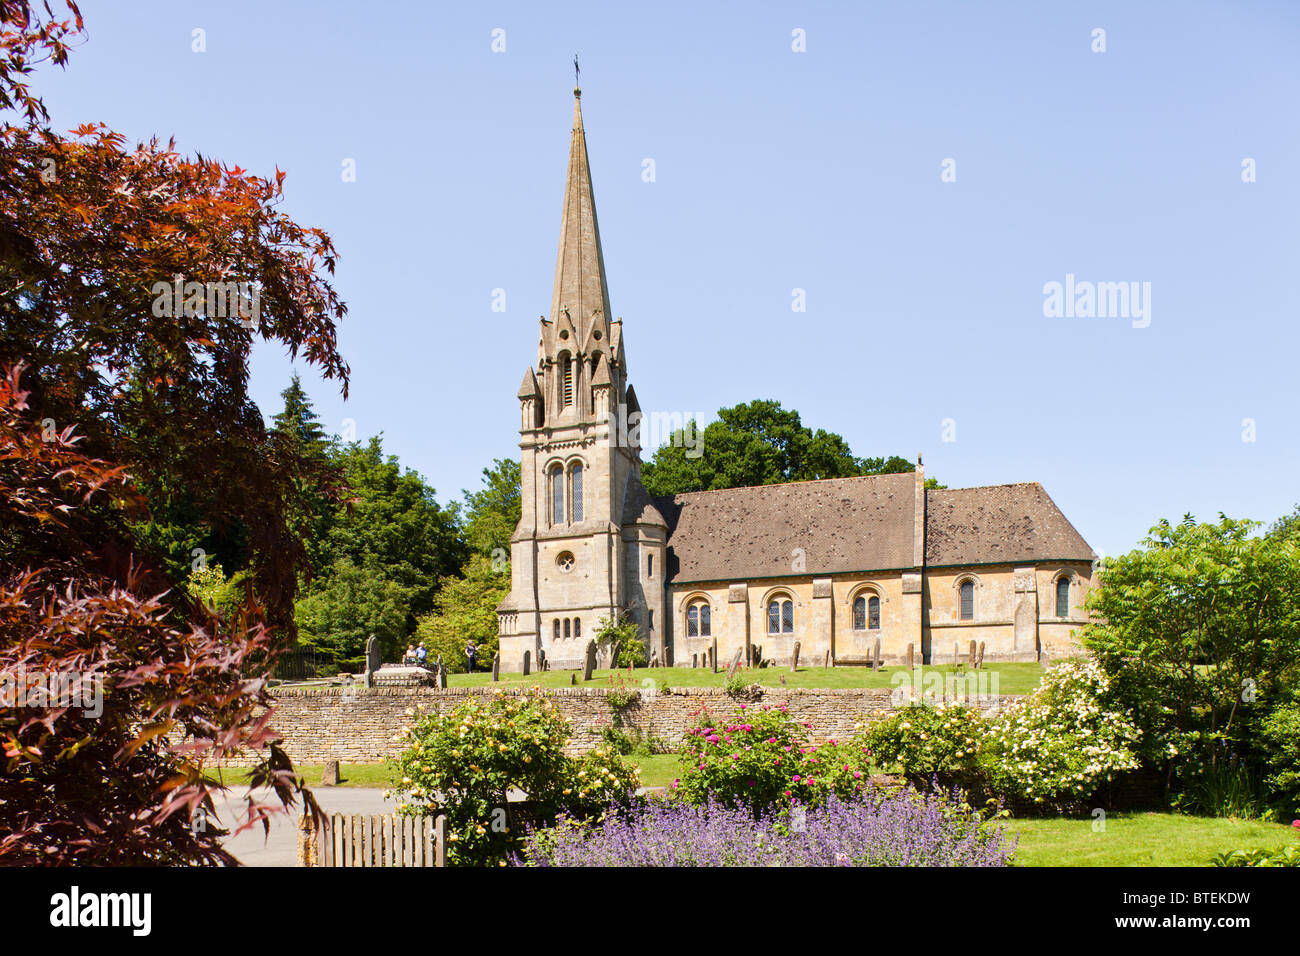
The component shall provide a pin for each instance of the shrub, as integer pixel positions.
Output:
(760, 759)
(927, 742)
(867, 829)
(473, 756)
(1280, 732)
(1283, 856)
(1064, 742)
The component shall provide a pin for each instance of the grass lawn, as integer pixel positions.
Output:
(1140, 839)
(350, 775)
(1011, 678)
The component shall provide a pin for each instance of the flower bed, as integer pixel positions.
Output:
(872, 828)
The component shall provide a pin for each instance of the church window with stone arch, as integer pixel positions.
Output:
(557, 628)
(1063, 596)
(966, 600)
(575, 486)
(780, 616)
(699, 620)
(866, 612)
(577, 627)
(557, 495)
(567, 625)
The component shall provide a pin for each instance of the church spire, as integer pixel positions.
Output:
(580, 287)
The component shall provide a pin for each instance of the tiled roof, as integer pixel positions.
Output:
(841, 524)
(999, 523)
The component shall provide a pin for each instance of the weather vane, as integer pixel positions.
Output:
(576, 70)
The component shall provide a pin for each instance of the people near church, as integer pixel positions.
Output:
(409, 656)
(421, 654)
(470, 651)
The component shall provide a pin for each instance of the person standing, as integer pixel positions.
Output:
(421, 654)
(470, 651)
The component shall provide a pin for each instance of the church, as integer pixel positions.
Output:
(833, 566)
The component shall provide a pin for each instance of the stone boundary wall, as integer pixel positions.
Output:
(357, 725)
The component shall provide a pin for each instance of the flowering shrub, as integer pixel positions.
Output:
(1064, 742)
(465, 762)
(761, 758)
(870, 828)
(928, 742)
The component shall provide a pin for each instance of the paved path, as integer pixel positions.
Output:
(280, 848)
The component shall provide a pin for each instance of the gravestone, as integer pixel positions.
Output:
(590, 664)
(979, 661)
(735, 662)
(528, 659)
(875, 656)
(573, 679)
(972, 655)
(909, 656)
(654, 659)
(828, 658)
(541, 659)
(695, 660)
(713, 655)
(330, 777)
(442, 676)
(794, 658)
(496, 667)
(373, 655)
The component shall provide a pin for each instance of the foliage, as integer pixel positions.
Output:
(756, 443)
(492, 513)
(927, 742)
(471, 758)
(869, 828)
(1283, 856)
(1197, 632)
(112, 709)
(1064, 742)
(465, 608)
(219, 594)
(317, 479)
(626, 633)
(347, 606)
(620, 695)
(629, 741)
(1280, 736)
(761, 758)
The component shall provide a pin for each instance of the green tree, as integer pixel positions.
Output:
(353, 602)
(465, 609)
(302, 445)
(756, 443)
(492, 512)
(1198, 630)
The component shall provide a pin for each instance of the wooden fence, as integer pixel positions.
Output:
(358, 840)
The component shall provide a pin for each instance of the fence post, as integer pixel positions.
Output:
(308, 841)
(440, 838)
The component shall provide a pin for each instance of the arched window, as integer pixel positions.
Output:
(557, 628)
(706, 621)
(967, 600)
(699, 621)
(557, 495)
(1063, 596)
(693, 621)
(866, 612)
(566, 381)
(780, 616)
(577, 627)
(566, 627)
(575, 483)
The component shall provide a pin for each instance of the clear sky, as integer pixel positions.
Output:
(777, 170)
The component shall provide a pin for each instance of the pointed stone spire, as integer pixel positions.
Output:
(529, 387)
(580, 269)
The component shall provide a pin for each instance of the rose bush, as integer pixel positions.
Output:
(761, 758)
(464, 763)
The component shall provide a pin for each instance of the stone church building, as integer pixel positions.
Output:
(833, 564)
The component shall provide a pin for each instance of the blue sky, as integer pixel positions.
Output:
(778, 170)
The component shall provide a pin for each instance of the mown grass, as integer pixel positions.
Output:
(1010, 678)
(1140, 839)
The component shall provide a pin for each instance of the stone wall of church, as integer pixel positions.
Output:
(361, 726)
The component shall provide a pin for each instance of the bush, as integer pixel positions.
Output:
(926, 742)
(867, 829)
(1064, 742)
(1280, 732)
(1283, 856)
(761, 759)
(473, 756)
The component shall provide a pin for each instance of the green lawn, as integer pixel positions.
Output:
(1011, 678)
(350, 775)
(1140, 839)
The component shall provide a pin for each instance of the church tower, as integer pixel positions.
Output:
(590, 543)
